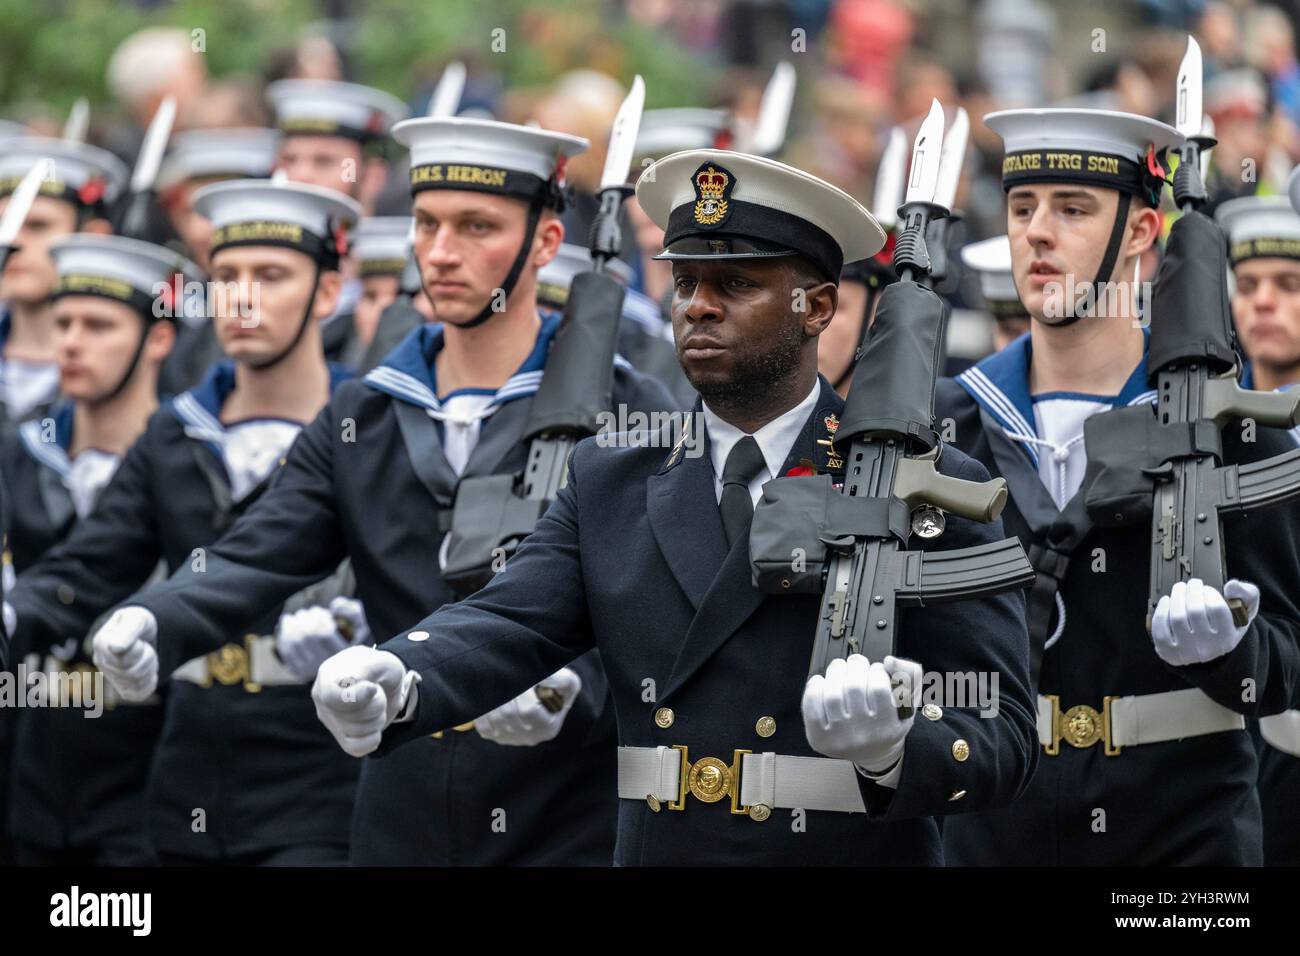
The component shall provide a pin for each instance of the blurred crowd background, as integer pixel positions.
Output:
(863, 66)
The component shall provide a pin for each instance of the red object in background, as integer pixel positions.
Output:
(91, 192)
(870, 37)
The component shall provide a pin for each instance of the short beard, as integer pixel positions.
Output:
(758, 374)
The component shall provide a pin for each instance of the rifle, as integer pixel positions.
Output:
(492, 514)
(891, 488)
(133, 213)
(20, 204)
(1194, 366)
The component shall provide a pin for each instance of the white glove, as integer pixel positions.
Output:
(310, 635)
(852, 712)
(526, 721)
(1193, 623)
(360, 691)
(124, 650)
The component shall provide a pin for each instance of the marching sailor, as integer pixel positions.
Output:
(85, 182)
(195, 159)
(243, 773)
(375, 478)
(645, 556)
(77, 785)
(1143, 751)
(1264, 249)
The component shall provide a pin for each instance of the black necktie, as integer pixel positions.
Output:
(743, 464)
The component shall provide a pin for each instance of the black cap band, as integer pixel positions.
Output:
(105, 287)
(488, 179)
(1084, 167)
(285, 235)
(1264, 248)
(757, 224)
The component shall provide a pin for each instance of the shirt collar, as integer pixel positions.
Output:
(775, 439)
(408, 371)
(1000, 385)
(199, 409)
(50, 454)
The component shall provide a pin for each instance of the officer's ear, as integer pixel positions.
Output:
(813, 297)
(327, 294)
(97, 227)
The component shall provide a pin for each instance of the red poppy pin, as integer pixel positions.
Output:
(91, 191)
(341, 240)
(804, 469)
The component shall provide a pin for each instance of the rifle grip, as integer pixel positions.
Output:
(1240, 616)
(916, 481)
(1225, 399)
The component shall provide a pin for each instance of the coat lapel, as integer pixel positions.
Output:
(730, 597)
(684, 518)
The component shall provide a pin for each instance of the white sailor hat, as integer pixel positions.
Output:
(672, 130)
(219, 154)
(84, 175)
(382, 245)
(453, 152)
(554, 278)
(990, 259)
(1260, 227)
(1121, 151)
(330, 108)
(260, 212)
(138, 274)
(714, 203)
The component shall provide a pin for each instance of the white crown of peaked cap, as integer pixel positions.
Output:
(141, 264)
(669, 183)
(479, 142)
(1259, 217)
(1097, 131)
(316, 209)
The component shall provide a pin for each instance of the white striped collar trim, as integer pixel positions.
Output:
(49, 454)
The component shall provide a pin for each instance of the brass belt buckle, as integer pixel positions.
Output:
(1080, 726)
(709, 780)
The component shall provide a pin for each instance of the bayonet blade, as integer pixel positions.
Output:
(1207, 130)
(1188, 103)
(445, 100)
(951, 158)
(774, 110)
(622, 137)
(20, 202)
(153, 147)
(924, 176)
(889, 180)
(74, 130)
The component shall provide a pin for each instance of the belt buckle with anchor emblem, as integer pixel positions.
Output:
(1080, 726)
(710, 780)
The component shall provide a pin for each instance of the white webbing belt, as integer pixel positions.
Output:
(1155, 718)
(263, 665)
(1282, 731)
(775, 780)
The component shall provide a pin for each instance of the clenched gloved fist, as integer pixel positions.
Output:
(307, 637)
(360, 691)
(527, 721)
(852, 712)
(1193, 624)
(123, 648)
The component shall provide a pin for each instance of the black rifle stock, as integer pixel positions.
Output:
(1195, 370)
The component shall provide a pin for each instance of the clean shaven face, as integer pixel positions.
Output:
(1266, 305)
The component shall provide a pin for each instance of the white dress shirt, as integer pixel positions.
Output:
(775, 439)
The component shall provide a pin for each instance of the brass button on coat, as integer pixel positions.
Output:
(765, 727)
(960, 749)
(664, 717)
(931, 711)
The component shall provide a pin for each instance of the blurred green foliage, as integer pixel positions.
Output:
(53, 51)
